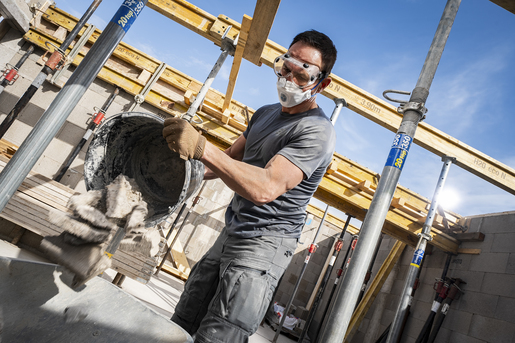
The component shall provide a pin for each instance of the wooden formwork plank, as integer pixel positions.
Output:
(375, 286)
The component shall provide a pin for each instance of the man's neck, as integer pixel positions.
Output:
(301, 108)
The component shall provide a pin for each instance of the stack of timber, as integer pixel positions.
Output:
(38, 195)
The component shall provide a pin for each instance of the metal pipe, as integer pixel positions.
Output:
(339, 319)
(228, 47)
(369, 271)
(90, 129)
(340, 103)
(341, 274)
(195, 201)
(418, 255)
(454, 292)
(50, 66)
(10, 76)
(312, 249)
(311, 315)
(54, 117)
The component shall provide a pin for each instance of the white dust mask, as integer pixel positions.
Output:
(290, 94)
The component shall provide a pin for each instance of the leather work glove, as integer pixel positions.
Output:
(183, 139)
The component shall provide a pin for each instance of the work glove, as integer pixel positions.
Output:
(183, 139)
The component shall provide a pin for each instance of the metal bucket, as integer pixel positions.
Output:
(132, 144)
(39, 306)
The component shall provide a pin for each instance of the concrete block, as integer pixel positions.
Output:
(497, 223)
(429, 275)
(457, 337)
(503, 242)
(460, 262)
(457, 320)
(12, 41)
(420, 310)
(425, 292)
(485, 245)
(387, 317)
(491, 330)
(504, 310)
(80, 116)
(47, 166)
(510, 266)
(474, 280)
(17, 132)
(412, 329)
(435, 260)
(499, 284)
(80, 187)
(489, 262)
(477, 303)
(444, 335)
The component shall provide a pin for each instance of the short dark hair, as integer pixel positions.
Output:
(321, 42)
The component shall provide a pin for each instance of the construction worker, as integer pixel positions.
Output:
(274, 168)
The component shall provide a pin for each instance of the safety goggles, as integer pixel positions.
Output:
(300, 73)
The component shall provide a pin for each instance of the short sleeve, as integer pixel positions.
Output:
(311, 144)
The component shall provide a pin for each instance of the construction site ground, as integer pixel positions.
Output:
(161, 293)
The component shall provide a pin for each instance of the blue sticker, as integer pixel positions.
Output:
(399, 151)
(127, 13)
(417, 258)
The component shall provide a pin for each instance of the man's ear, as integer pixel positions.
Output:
(325, 83)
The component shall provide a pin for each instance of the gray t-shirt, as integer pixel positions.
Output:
(307, 140)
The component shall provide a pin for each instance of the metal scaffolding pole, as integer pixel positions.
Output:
(413, 111)
(312, 249)
(54, 117)
(418, 255)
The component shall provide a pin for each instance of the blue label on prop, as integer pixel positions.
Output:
(399, 151)
(128, 13)
(417, 258)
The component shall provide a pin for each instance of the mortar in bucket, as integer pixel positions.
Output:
(131, 143)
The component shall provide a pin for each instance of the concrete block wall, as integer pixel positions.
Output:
(483, 313)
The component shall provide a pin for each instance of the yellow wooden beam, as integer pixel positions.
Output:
(238, 56)
(332, 219)
(264, 15)
(375, 287)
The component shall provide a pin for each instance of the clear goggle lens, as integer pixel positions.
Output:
(300, 73)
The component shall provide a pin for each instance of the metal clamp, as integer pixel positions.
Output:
(140, 98)
(406, 105)
(425, 236)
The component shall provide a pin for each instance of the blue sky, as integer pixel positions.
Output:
(381, 45)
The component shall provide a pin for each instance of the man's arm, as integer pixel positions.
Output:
(259, 185)
(235, 151)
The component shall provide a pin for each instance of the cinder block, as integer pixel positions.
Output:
(510, 266)
(47, 166)
(497, 223)
(412, 329)
(499, 284)
(420, 310)
(504, 310)
(457, 337)
(460, 262)
(503, 242)
(80, 116)
(425, 292)
(478, 303)
(443, 335)
(489, 262)
(485, 246)
(17, 133)
(429, 275)
(491, 330)
(474, 280)
(457, 320)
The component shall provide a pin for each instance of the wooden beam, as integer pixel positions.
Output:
(508, 5)
(264, 15)
(375, 287)
(236, 63)
(339, 223)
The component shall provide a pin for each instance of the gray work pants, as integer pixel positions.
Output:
(230, 288)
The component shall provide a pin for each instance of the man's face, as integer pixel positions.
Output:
(306, 54)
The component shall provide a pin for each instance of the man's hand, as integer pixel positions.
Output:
(183, 139)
